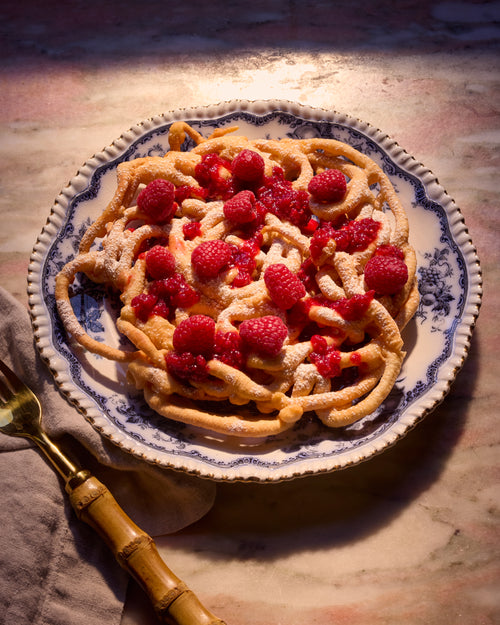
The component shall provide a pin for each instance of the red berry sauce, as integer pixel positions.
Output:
(325, 357)
(209, 175)
(191, 230)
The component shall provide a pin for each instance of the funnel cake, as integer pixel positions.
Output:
(260, 280)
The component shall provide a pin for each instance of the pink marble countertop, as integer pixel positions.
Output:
(412, 536)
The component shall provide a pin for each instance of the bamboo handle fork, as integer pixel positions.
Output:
(136, 552)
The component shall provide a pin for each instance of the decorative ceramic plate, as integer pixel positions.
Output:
(436, 340)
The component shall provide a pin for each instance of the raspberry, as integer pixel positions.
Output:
(161, 288)
(241, 279)
(143, 305)
(191, 230)
(264, 335)
(248, 166)
(240, 209)
(284, 287)
(196, 335)
(210, 258)
(252, 246)
(328, 186)
(228, 349)
(161, 309)
(175, 291)
(300, 213)
(157, 200)
(160, 262)
(187, 366)
(244, 260)
(386, 275)
(182, 295)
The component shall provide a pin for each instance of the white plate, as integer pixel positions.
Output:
(436, 341)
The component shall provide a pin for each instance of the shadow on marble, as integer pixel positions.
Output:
(117, 31)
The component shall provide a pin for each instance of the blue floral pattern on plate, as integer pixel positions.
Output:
(436, 340)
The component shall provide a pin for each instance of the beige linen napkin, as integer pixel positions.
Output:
(54, 570)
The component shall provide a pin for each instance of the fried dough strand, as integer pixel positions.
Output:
(268, 394)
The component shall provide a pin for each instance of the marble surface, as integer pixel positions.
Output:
(412, 536)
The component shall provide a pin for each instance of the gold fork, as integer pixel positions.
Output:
(135, 551)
